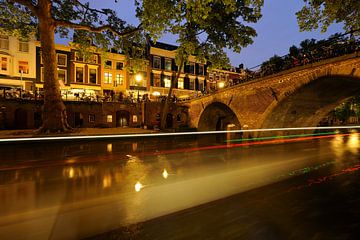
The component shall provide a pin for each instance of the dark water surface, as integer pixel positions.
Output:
(181, 188)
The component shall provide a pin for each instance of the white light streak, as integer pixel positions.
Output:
(90, 137)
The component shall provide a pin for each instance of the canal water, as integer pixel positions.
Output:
(194, 187)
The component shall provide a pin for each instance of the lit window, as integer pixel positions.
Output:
(93, 75)
(119, 65)
(108, 64)
(42, 75)
(24, 67)
(181, 83)
(4, 42)
(61, 60)
(167, 82)
(23, 46)
(168, 64)
(157, 62)
(92, 118)
(62, 75)
(135, 119)
(107, 78)
(79, 74)
(157, 82)
(201, 85)
(119, 80)
(4, 63)
(109, 118)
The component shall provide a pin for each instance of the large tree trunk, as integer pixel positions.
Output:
(168, 100)
(54, 112)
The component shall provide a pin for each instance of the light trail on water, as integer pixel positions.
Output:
(92, 137)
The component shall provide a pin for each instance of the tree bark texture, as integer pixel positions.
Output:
(54, 111)
(168, 100)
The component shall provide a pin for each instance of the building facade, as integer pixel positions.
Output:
(17, 63)
(192, 79)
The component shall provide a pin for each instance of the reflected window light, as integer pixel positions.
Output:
(109, 147)
(353, 142)
(138, 186)
(134, 146)
(106, 181)
(71, 172)
(165, 174)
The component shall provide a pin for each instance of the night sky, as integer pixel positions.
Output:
(277, 30)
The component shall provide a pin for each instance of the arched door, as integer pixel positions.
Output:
(122, 118)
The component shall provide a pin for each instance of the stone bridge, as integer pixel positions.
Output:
(298, 97)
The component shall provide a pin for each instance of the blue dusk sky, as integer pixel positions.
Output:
(277, 30)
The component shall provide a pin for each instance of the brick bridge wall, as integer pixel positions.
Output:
(267, 102)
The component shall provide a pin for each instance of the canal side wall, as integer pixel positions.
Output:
(26, 114)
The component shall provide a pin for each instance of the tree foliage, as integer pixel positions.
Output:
(322, 13)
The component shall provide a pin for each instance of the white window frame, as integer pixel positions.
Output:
(26, 73)
(180, 83)
(107, 75)
(22, 48)
(83, 67)
(4, 42)
(96, 71)
(119, 81)
(167, 60)
(106, 66)
(117, 64)
(167, 81)
(57, 59)
(7, 64)
(65, 80)
(158, 58)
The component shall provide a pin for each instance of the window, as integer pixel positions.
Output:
(119, 65)
(61, 75)
(92, 75)
(168, 64)
(157, 82)
(92, 118)
(181, 83)
(79, 57)
(192, 68)
(107, 78)
(109, 118)
(42, 75)
(108, 64)
(201, 69)
(201, 85)
(61, 60)
(119, 80)
(156, 62)
(79, 77)
(192, 84)
(4, 63)
(167, 81)
(93, 59)
(24, 67)
(135, 119)
(4, 42)
(23, 46)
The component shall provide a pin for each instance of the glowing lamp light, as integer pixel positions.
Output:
(221, 84)
(165, 174)
(138, 186)
(138, 78)
(156, 94)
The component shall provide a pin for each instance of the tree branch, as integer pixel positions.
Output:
(62, 23)
(28, 4)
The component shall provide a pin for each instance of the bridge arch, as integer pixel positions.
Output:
(217, 116)
(307, 105)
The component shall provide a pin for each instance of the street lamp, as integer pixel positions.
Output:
(138, 79)
(221, 84)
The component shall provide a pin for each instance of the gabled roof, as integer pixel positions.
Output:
(164, 46)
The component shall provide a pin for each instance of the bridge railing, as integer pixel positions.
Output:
(338, 45)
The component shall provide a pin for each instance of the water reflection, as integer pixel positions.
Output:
(110, 187)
